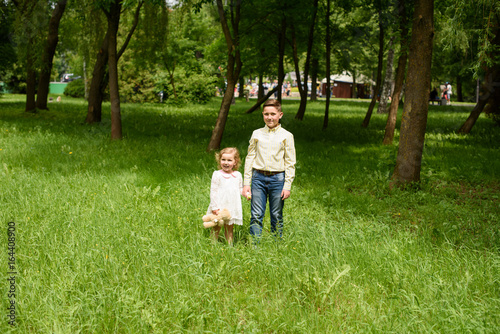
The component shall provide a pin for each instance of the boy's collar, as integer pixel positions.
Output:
(276, 128)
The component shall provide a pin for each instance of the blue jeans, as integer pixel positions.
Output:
(264, 187)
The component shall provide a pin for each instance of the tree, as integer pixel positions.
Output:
(328, 55)
(48, 54)
(304, 87)
(108, 52)
(414, 122)
(366, 121)
(386, 85)
(28, 27)
(233, 66)
(7, 12)
(489, 98)
(400, 75)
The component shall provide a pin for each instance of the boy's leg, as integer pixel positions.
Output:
(258, 204)
(276, 203)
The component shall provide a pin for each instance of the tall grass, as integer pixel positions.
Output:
(110, 238)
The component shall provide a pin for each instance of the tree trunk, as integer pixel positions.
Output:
(414, 122)
(261, 100)
(233, 69)
(400, 77)
(490, 90)
(114, 94)
(98, 83)
(314, 78)
(260, 94)
(303, 93)
(328, 54)
(386, 87)
(100, 76)
(366, 121)
(48, 55)
(301, 86)
(30, 79)
(241, 90)
(460, 97)
(281, 62)
(474, 115)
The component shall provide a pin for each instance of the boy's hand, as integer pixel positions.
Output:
(285, 194)
(245, 192)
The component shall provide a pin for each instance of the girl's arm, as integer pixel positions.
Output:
(214, 189)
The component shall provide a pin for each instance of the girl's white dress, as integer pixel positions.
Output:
(225, 193)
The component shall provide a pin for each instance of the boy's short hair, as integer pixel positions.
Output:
(272, 103)
(230, 150)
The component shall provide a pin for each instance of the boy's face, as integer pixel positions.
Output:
(272, 117)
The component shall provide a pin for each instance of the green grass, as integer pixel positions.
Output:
(110, 238)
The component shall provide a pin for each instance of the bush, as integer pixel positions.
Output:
(75, 88)
(197, 88)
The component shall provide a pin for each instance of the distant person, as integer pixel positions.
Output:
(444, 92)
(433, 95)
(269, 170)
(225, 191)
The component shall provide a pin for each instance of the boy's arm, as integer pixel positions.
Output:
(290, 160)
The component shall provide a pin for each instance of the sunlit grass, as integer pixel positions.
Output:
(110, 236)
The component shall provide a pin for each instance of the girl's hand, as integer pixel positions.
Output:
(246, 192)
(215, 212)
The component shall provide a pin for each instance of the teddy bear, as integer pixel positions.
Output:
(212, 220)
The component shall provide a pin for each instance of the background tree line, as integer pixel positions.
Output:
(136, 50)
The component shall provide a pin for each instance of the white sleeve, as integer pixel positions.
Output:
(214, 190)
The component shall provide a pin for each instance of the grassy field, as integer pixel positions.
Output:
(109, 237)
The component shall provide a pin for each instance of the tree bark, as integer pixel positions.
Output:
(100, 76)
(460, 97)
(98, 83)
(414, 122)
(233, 68)
(400, 76)
(281, 62)
(30, 79)
(261, 100)
(48, 55)
(328, 54)
(25, 9)
(314, 78)
(260, 94)
(303, 92)
(386, 86)
(366, 121)
(114, 94)
(490, 90)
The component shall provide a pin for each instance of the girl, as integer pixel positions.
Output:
(225, 190)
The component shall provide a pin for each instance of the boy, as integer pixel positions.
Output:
(269, 169)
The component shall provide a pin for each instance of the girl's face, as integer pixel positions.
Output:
(227, 162)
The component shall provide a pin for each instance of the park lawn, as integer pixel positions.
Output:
(109, 237)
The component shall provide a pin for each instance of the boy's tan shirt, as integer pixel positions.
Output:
(271, 150)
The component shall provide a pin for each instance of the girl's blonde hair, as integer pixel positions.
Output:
(229, 150)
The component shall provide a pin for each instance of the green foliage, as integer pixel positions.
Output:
(75, 88)
(196, 88)
(109, 234)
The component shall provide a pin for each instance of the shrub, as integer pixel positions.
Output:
(75, 88)
(197, 88)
